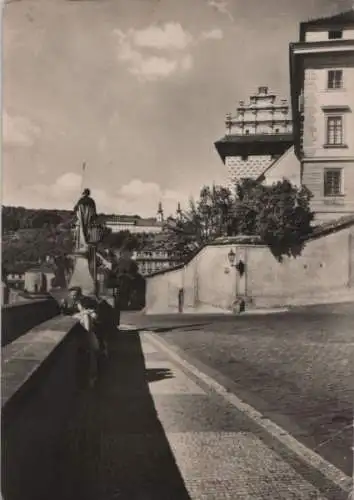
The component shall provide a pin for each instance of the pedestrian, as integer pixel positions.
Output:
(85, 309)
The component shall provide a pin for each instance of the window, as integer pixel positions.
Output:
(333, 182)
(335, 34)
(334, 130)
(335, 79)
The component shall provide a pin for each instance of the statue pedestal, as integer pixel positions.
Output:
(82, 276)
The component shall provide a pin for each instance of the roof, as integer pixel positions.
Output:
(133, 220)
(253, 144)
(336, 21)
(251, 138)
(287, 152)
(44, 268)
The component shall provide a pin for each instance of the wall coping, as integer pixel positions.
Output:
(26, 302)
(319, 231)
(24, 359)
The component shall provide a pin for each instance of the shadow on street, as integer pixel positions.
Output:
(115, 446)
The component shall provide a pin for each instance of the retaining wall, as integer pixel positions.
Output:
(323, 273)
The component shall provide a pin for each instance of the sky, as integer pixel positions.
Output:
(137, 89)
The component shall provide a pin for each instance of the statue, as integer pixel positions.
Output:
(84, 274)
(85, 211)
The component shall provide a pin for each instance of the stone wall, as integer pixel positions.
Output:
(40, 381)
(324, 272)
(20, 317)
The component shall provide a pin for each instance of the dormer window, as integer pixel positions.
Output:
(335, 34)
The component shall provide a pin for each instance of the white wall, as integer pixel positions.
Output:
(323, 272)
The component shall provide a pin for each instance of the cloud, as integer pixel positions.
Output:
(153, 68)
(19, 130)
(135, 197)
(138, 49)
(169, 36)
(215, 34)
(143, 198)
(222, 7)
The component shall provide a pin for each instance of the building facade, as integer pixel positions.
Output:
(256, 136)
(150, 261)
(322, 90)
(135, 224)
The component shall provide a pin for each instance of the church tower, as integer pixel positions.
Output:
(179, 212)
(258, 134)
(160, 217)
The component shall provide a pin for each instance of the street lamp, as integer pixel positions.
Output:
(240, 266)
(231, 256)
(95, 236)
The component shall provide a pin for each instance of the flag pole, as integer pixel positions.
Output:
(83, 176)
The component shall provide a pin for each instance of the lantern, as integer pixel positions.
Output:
(95, 234)
(231, 256)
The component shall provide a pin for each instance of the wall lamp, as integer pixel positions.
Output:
(240, 266)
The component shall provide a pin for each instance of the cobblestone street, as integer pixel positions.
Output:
(153, 429)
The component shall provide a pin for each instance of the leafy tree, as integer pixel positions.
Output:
(279, 214)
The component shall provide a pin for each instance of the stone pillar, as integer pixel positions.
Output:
(82, 275)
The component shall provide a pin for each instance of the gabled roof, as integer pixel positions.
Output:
(336, 21)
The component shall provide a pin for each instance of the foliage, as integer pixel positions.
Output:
(280, 214)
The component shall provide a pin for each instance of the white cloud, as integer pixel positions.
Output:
(138, 49)
(143, 198)
(215, 34)
(135, 197)
(222, 7)
(169, 36)
(153, 68)
(19, 130)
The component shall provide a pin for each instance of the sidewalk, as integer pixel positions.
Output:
(152, 431)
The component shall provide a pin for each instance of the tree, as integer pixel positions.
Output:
(280, 214)
(206, 219)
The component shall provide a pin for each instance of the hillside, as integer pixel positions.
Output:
(29, 235)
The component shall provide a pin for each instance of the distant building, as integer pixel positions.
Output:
(16, 279)
(258, 134)
(322, 93)
(135, 224)
(149, 261)
(39, 279)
